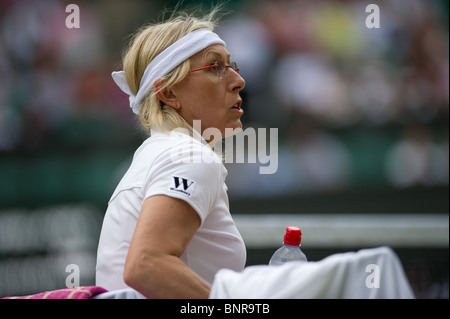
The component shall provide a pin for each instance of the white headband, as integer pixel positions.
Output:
(166, 61)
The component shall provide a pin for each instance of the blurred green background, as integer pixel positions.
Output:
(362, 116)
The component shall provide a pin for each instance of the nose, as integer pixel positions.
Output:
(236, 82)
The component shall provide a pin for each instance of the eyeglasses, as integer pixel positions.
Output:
(219, 68)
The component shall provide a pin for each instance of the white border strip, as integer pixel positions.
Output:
(331, 231)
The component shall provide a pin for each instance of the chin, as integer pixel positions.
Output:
(233, 129)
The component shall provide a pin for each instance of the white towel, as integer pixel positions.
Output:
(367, 273)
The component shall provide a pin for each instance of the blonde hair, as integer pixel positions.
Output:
(144, 46)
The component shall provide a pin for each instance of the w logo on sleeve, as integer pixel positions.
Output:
(182, 185)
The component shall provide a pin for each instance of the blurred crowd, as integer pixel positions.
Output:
(331, 85)
(54, 79)
(319, 74)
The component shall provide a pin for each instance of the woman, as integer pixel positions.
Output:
(167, 229)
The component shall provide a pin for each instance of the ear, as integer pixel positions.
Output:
(166, 96)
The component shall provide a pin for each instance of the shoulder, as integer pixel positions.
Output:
(180, 148)
(187, 169)
(180, 152)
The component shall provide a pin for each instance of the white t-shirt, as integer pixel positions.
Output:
(183, 167)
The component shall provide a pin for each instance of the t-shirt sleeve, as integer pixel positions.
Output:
(191, 172)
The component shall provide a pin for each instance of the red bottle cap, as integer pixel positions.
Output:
(293, 236)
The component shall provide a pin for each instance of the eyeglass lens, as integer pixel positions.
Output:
(222, 68)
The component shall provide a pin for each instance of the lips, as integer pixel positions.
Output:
(238, 104)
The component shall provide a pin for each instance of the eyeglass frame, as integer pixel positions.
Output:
(217, 65)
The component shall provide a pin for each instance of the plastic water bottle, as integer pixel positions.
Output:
(290, 251)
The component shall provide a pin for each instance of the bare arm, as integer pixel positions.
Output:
(164, 228)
